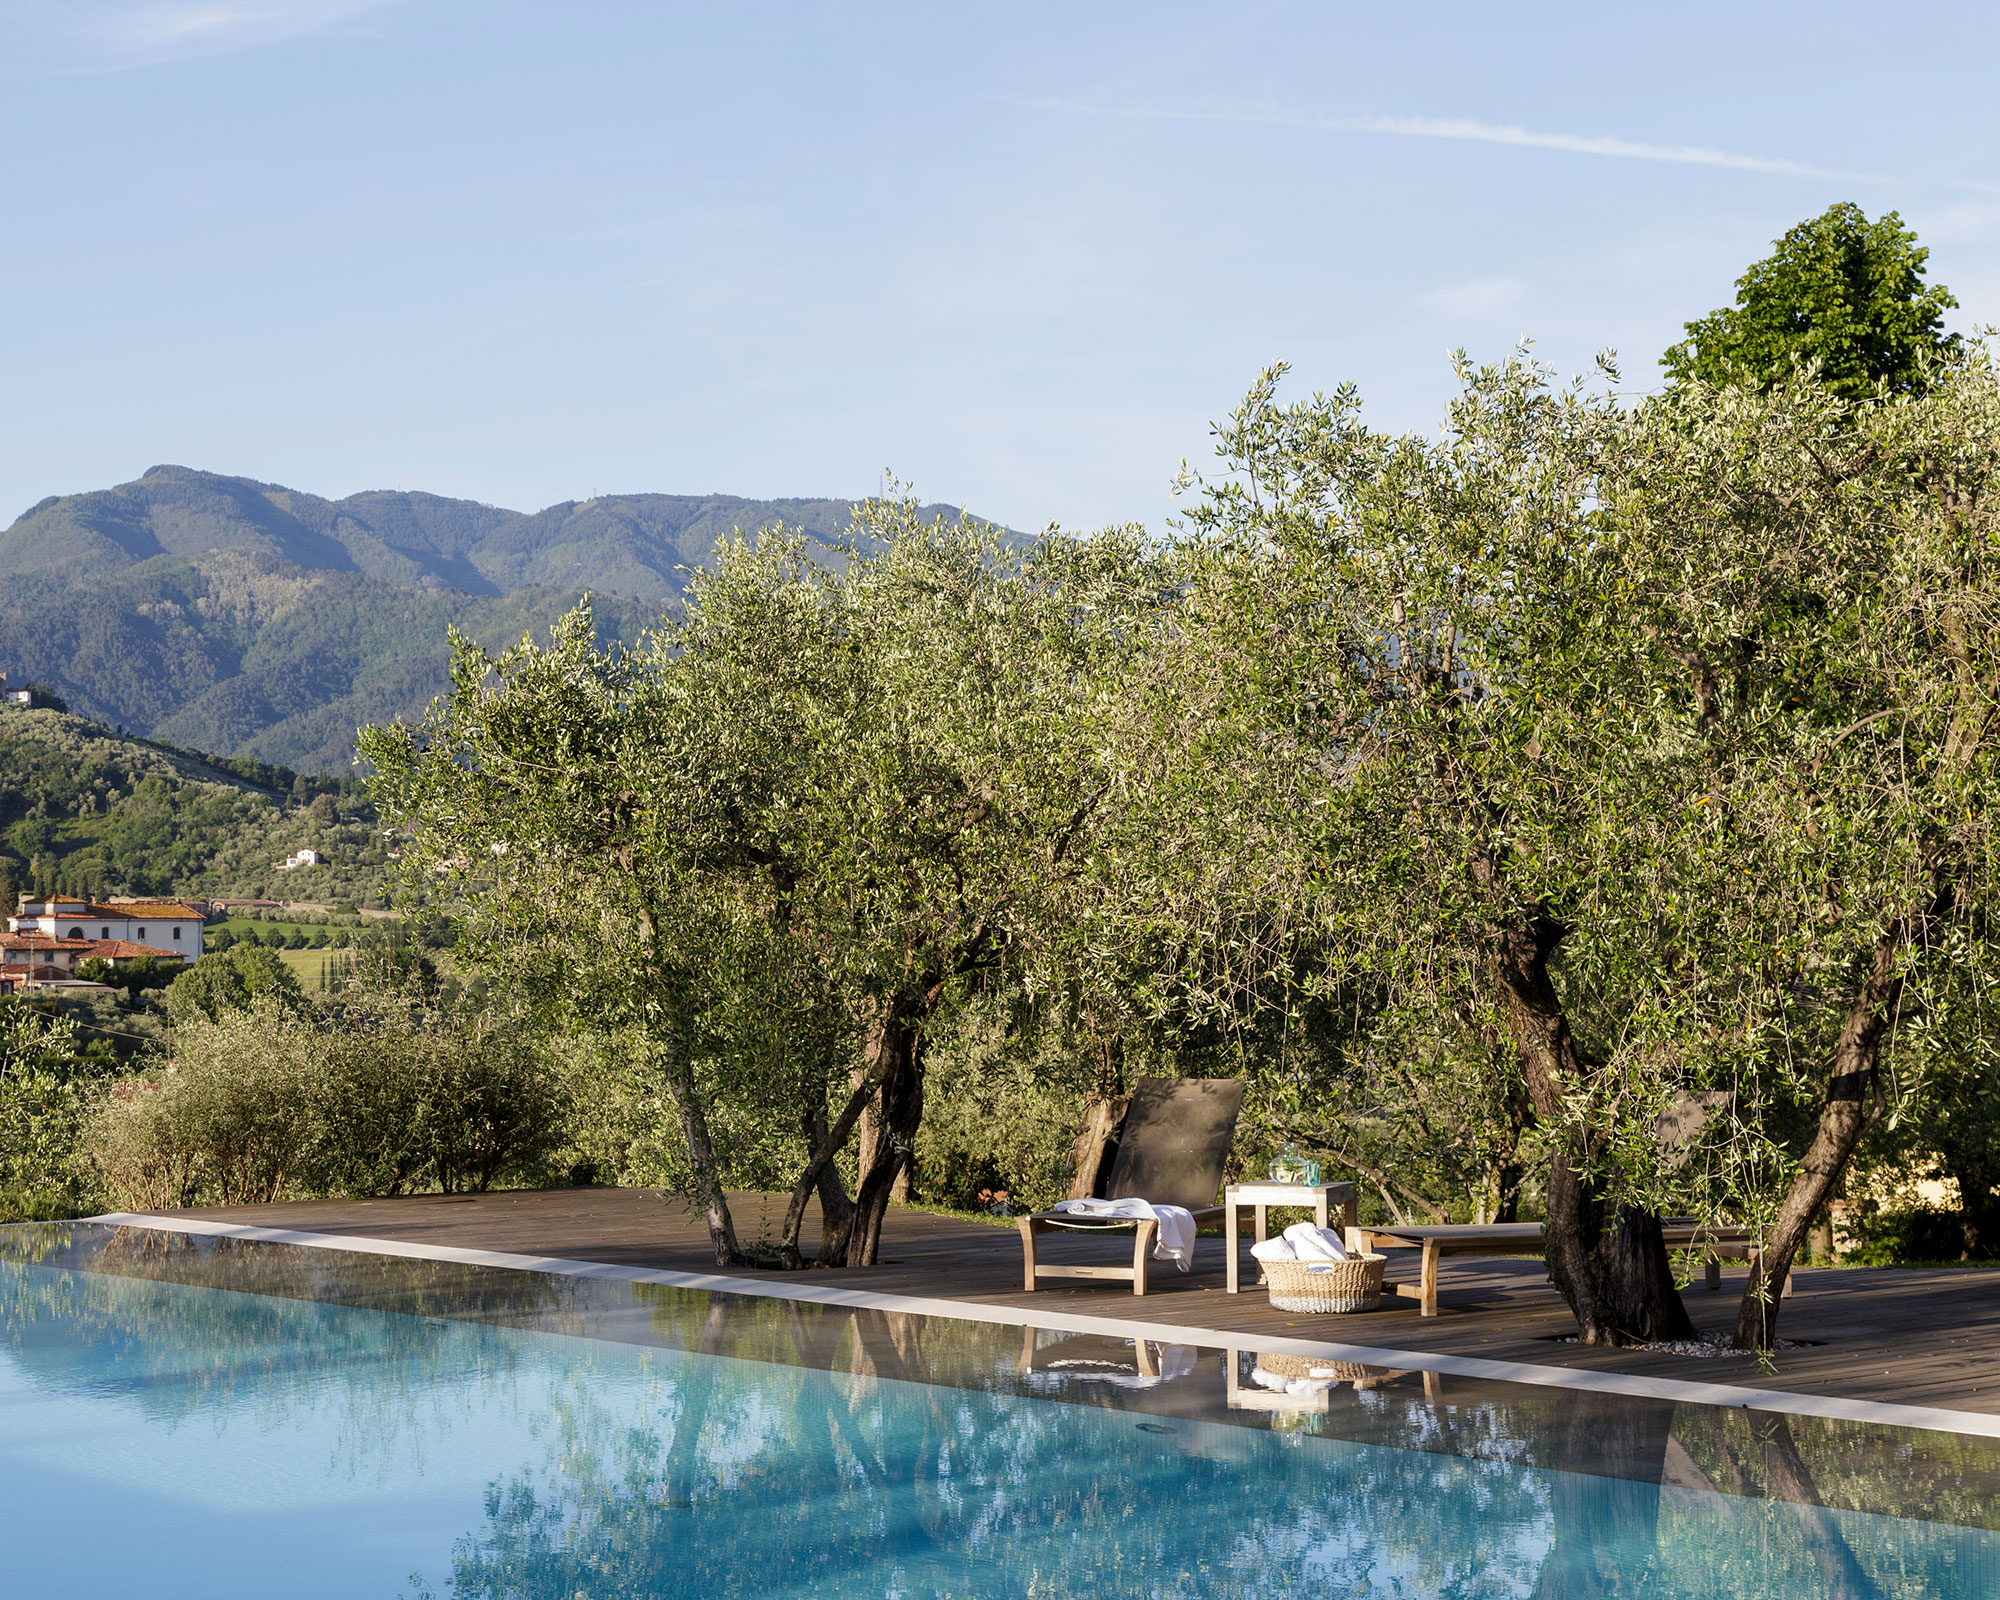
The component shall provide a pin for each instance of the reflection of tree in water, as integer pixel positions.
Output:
(774, 1479)
(145, 1326)
(742, 1480)
(807, 1465)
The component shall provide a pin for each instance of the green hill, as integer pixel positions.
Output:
(86, 811)
(235, 651)
(632, 545)
(253, 619)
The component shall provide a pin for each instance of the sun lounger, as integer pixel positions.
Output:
(1437, 1240)
(1717, 1244)
(1171, 1151)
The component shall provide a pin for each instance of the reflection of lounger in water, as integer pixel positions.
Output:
(1125, 1363)
(1307, 1383)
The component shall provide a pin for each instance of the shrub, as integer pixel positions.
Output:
(142, 973)
(444, 1103)
(229, 1122)
(46, 1096)
(1000, 1114)
(230, 980)
(279, 1102)
(1902, 1237)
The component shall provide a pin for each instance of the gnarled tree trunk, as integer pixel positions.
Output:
(1847, 1113)
(679, 1074)
(1617, 1280)
(836, 1210)
(895, 1058)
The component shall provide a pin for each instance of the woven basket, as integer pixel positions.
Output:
(1310, 1367)
(1351, 1285)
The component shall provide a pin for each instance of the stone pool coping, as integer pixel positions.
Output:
(1733, 1396)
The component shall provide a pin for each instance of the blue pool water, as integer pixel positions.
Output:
(351, 1426)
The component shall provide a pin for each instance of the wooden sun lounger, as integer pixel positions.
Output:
(1438, 1240)
(1717, 1246)
(1146, 1231)
(1172, 1147)
(1239, 1396)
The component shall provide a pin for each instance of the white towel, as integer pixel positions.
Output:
(1281, 1384)
(1274, 1250)
(1315, 1243)
(1175, 1240)
(1175, 1361)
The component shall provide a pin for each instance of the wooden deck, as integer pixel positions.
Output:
(1906, 1337)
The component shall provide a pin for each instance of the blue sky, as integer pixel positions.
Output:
(1021, 256)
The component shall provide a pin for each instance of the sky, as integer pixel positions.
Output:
(1021, 257)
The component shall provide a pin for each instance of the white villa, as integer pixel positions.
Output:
(165, 927)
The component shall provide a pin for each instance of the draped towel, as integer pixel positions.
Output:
(1175, 1240)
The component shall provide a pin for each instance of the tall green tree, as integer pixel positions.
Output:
(231, 980)
(866, 778)
(1839, 291)
(592, 810)
(1661, 743)
(1430, 622)
(1812, 595)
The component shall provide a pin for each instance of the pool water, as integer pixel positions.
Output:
(355, 1426)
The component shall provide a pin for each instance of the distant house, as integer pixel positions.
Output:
(28, 960)
(30, 696)
(300, 858)
(153, 927)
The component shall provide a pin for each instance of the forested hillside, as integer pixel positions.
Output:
(238, 652)
(85, 811)
(249, 618)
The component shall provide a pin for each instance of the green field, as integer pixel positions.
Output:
(239, 926)
(310, 966)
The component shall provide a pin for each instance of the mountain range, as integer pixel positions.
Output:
(251, 619)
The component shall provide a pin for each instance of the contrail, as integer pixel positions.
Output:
(1464, 129)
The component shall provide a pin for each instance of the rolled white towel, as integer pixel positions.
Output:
(1315, 1243)
(1274, 1250)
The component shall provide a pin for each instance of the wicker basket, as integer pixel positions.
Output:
(1310, 1367)
(1351, 1285)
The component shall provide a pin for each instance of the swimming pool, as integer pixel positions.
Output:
(201, 1417)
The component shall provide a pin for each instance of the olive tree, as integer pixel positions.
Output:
(1809, 589)
(593, 809)
(965, 715)
(858, 777)
(1431, 617)
(1658, 740)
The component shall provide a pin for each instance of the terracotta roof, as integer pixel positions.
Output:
(146, 908)
(126, 949)
(108, 949)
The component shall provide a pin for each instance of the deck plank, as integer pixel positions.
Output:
(1901, 1336)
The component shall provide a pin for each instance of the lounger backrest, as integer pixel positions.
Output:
(1176, 1141)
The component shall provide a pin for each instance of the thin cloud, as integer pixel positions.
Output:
(1686, 155)
(64, 37)
(1465, 130)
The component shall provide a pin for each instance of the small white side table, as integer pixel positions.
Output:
(1319, 1198)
